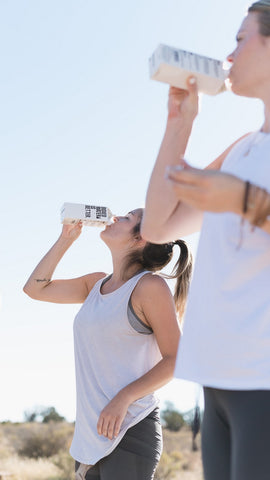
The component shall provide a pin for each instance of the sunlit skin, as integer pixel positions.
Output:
(250, 71)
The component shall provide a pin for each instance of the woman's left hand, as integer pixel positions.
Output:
(208, 190)
(112, 416)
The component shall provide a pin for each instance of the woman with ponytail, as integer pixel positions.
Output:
(125, 337)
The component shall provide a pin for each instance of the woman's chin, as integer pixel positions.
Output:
(242, 90)
(102, 233)
(105, 235)
(105, 229)
(232, 86)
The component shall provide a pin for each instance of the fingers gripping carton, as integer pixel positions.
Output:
(174, 66)
(89, 215)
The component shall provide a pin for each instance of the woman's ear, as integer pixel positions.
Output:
(139, 240)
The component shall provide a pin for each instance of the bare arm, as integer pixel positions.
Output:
(153, 301)
(166, 216)
(161, 202)
(40, 285)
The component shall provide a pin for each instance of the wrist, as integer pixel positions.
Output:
(256, 206)
(125, 395)
(64, 242)
(180, 123)
(238, 199)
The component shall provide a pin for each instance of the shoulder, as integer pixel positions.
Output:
(152, 300)
(151, 285)
(92, 278)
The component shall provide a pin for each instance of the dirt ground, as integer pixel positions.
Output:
(187, 464)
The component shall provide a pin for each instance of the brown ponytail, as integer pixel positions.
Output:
(154, 257)
(182, 272)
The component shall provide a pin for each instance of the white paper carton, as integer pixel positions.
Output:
(89, 215)
(173, 66)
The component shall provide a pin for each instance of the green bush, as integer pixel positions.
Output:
(42, 414)
(172, 419)
(51, 415)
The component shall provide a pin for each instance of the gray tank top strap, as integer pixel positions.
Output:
(136, 322)
(133, 318)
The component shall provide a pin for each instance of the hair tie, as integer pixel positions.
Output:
(170, 247)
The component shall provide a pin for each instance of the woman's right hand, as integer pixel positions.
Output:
(183, 103)
(71, 231)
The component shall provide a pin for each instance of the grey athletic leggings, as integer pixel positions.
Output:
(135, 457)
(235, 435)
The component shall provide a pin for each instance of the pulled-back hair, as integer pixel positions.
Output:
(263, 9)
(154, 257)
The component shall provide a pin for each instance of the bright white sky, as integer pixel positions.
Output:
(81, 122)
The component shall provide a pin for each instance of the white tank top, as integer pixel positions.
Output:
(226, 335)
(109, 354)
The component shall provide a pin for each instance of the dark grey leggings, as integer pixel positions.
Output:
(235, 435)
(135, 457)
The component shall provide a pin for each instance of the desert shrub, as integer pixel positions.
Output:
(172, 419)
(43, 440)
(65, 463)
(7, 440)
(168, 466)
(5, 448)
(177, 461)
(31, 469)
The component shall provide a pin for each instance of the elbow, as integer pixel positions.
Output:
(170, 375)
(27, 289)
(173, 367)
(151, 233)
(171, 362)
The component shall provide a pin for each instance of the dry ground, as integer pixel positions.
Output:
(185, 463)
(178, 461)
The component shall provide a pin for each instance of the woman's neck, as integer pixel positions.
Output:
(121, 276)
(120, 273)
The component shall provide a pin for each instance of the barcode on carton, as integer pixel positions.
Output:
(95, 212)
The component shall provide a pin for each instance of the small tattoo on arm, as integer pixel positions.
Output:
(43, 280)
